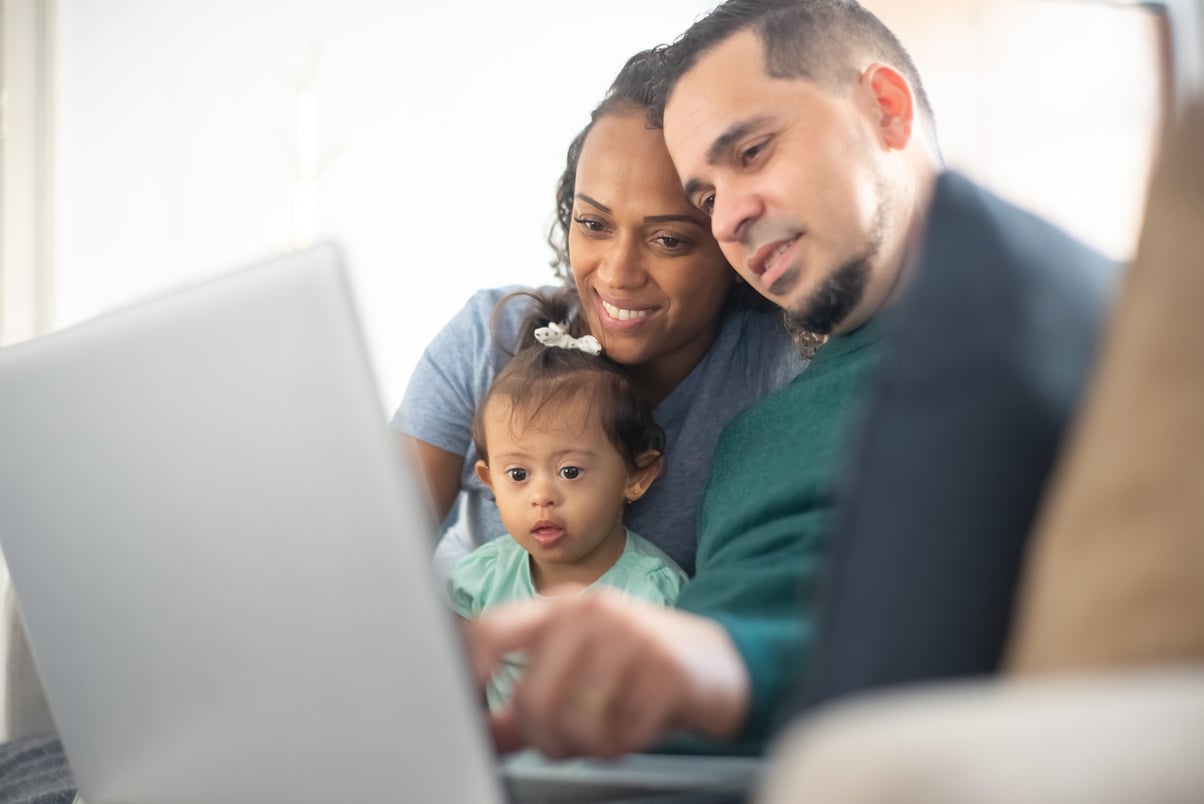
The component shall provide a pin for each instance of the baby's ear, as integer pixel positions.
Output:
(648, 466)
(483, 473)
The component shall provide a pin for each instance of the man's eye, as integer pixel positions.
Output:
(707, 203)
(517, 475)
(570, 472)
(751, 153)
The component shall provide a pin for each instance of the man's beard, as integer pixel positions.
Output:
(833, 300)
(841, 290)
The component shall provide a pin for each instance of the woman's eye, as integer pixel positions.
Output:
(570, 472)
(590, 225)
(517, 475)
(671, 243)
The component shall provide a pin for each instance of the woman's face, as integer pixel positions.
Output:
(651, 277)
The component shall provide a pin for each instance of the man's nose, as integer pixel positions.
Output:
(733, 211)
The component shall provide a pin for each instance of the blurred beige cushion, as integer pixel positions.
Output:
(1117, 738)
(1116, 573)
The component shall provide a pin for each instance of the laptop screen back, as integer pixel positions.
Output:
(223, 562)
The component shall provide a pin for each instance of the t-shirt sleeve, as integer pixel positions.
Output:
(454, 373)
(465, 584)
(657, 583)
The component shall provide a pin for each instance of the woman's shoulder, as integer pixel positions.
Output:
(486, 310)
(484, 301)
(481, 324)
(754, 340)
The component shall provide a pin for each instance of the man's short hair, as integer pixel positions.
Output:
(819, 40)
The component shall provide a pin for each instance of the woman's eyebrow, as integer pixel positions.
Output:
(675, 219)
(593, 202)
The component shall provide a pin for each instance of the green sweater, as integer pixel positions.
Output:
(764, 520)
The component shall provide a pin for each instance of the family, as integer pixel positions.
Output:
(644, 470)
(781, 151)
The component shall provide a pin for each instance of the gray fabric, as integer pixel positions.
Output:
(988, 355)
(751, 356)
(34, 770)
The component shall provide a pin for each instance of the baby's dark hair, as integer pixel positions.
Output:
(539, 378)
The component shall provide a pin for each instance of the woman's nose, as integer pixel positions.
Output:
(620, 265)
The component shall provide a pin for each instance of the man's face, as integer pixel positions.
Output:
(789, 173)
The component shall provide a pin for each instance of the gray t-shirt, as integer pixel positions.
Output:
(751, 356)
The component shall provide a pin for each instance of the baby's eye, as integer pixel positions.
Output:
(517, 475)
(570, 472)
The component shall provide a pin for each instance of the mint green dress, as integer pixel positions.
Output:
(499, 571)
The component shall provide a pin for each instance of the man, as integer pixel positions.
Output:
(803, 130)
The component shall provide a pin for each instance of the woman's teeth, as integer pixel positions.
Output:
(623, 315)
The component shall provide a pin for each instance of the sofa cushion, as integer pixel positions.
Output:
(1117, 570)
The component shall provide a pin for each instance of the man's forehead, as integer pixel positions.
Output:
(714, 82)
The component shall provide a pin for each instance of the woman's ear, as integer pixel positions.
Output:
(483, 473)
(893, 103)
(648, 466)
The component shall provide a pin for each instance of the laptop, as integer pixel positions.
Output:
(224, 566)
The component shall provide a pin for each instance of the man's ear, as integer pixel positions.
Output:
(648, 466)
(894, 103)
(483, 473)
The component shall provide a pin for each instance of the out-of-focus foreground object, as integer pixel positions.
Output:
(1104, 697)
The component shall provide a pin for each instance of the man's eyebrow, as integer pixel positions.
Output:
(593, 202)
(734, 132)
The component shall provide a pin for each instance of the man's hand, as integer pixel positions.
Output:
(607, 674)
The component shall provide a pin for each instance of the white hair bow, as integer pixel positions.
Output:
(558, 335)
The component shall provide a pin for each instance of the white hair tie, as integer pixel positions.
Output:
(558, 335)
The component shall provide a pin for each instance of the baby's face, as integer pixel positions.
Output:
(560, 484)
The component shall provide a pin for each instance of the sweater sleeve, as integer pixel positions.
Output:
(755, 582)
(763, 526)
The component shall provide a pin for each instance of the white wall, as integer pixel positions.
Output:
(445, 126)
(445, 123)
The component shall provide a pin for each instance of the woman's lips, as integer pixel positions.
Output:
(622, 316)
(620, 313)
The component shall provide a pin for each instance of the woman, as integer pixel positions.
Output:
(653, 288)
